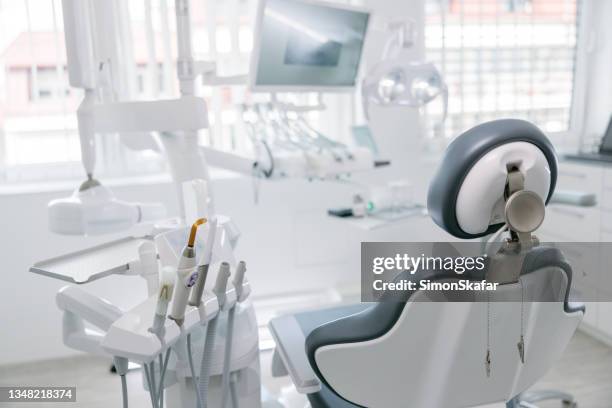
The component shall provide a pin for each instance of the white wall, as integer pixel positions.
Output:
(598, 32)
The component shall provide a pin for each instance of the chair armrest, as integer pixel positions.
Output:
(290, 346)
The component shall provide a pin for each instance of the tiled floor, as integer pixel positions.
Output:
(585, 371)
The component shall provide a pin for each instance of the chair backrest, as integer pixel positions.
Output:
(433, 354)
(429, 353)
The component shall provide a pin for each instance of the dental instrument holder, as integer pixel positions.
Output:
(524, 212)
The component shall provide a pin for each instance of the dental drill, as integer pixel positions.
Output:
(166, 288)
(196, 293)
(195, 298)
(209, 344)
(225, 379)
(186, 276)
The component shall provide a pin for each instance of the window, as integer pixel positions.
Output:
(505, 58)
(38, 126)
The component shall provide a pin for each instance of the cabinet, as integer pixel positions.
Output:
(575, 227)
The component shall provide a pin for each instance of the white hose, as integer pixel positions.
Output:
(209, 347)
(163, 369)
(124, 391)
(149, 385)
(193, 375)
(234, 393)
(227, 358)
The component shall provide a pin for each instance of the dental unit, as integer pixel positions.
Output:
(144, 334)
(196, 334)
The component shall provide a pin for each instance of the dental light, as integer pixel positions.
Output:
(398, 80)
(93, 209)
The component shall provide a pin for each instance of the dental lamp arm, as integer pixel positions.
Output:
(82, 72)
(439, 127)
(228, 161)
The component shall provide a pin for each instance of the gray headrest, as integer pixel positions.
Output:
(463, 153)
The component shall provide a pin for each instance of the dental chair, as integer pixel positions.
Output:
(462, 352)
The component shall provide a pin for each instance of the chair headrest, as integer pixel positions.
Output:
(466, 195)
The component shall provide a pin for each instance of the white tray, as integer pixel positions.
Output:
(92, 263)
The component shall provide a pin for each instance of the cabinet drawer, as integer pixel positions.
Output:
(572, 223)
(607, 177)
(605, 199)
(580, 178)
(606, 224)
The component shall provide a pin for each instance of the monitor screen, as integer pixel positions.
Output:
(606, 142)
(302, 45)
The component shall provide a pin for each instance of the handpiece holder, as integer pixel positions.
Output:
(239, 280)
(221, 284)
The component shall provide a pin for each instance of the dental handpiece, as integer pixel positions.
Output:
(196, 293)
(186, 276)
(166, 288)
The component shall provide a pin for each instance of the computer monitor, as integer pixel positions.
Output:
(307, 46)
(606, 142)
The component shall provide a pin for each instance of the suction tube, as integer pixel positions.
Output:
(227, 358)
(209, 344)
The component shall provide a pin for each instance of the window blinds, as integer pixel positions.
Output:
(505, 58)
